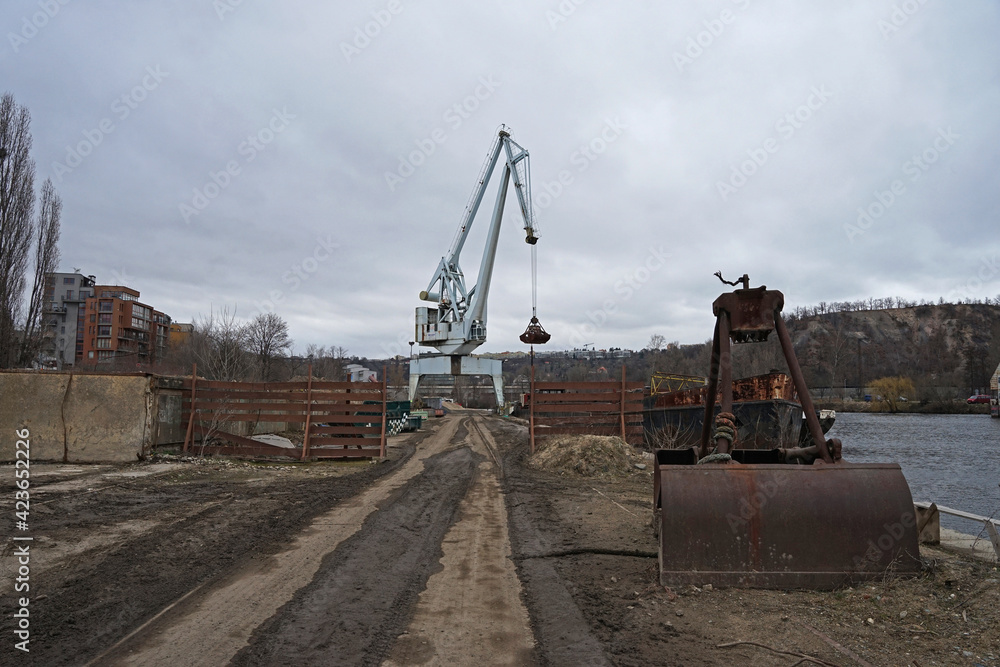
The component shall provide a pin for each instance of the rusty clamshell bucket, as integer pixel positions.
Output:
(796, 518)
(535, 334)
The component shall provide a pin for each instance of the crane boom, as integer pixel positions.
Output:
(457, 325)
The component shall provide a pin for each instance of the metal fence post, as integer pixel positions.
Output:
(385, 409)
(623, 405)
(309, 402)
(190, 428)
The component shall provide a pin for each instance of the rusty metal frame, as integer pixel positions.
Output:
(755, 312)
(658, 380)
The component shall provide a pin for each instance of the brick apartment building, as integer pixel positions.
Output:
(92, 324)
(118, 326)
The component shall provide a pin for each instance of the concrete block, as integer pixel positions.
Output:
(77, 418)
(33, 401)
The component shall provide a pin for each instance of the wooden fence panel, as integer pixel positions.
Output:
(596, 408)
(341, 419)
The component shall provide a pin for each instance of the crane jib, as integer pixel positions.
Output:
(459, 324)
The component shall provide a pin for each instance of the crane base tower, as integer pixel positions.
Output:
(457, 364)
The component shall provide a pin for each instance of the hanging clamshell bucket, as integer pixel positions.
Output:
(535, 334)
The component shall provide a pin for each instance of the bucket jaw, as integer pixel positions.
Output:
(760, 525)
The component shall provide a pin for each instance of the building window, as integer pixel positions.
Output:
(104, 331)
(69, 281)
(105, 318)
(62, 329)
(93, 318)
(107, 306)
(69, 294)
(103, 343)
(90, 355)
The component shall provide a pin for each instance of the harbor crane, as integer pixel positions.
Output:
(456, 324)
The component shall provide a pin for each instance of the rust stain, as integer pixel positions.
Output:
(758, 388)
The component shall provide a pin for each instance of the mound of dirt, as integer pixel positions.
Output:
(586, 456)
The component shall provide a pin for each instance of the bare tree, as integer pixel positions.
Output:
(17, 187)
(267, 339)
(328, 362)
(656, 342)
(46, 261)
(219, 342)
(750, 359)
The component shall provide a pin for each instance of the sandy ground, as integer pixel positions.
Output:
(455, 551)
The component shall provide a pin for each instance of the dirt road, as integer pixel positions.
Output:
(454, 551)
(209, 565)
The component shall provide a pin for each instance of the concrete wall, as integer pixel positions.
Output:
(96, 418)
(78, 418)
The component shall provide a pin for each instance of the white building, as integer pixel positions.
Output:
(358, 373)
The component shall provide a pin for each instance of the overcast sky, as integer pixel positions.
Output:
(316, 157)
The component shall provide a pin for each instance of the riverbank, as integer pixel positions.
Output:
(908, 407)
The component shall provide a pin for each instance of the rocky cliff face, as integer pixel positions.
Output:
(943, 345)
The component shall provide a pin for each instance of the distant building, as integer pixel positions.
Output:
(90, 323)
(180, 333)
(358, 373)
(63, 299)
(118, 326)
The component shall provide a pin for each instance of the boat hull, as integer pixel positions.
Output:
(765, 424)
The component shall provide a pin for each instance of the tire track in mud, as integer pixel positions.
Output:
(563, 634)
(364, 593)
(90, 601)
(470, 612)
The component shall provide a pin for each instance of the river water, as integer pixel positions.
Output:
(952, 460)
